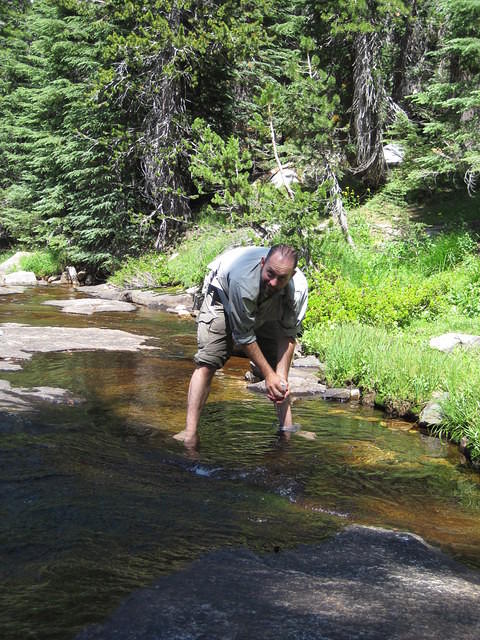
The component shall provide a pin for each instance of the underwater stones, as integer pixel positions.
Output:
(20, 341)
(15, 399)
(8, 291)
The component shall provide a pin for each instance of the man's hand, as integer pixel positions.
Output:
(277, 387)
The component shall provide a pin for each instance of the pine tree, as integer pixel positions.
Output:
(449, 103)
(60, 186)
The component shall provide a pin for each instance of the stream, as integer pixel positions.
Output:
(98, 499)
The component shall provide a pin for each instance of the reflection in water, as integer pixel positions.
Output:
(99, 499)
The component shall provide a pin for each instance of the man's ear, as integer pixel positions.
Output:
(262, 261)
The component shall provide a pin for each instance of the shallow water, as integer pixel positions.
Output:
(97, 499)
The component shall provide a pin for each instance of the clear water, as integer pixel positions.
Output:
(97, 499)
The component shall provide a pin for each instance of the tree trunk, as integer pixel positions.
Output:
(161, 145)
(336, 207)
(367, 117)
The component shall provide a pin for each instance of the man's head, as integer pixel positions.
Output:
(278, 268)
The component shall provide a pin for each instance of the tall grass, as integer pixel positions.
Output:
(189, 265)
(393, 364)
(43, 263)
(186, 266)
(373, 310)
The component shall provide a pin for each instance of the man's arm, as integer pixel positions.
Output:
(276, 385)
(286, 347)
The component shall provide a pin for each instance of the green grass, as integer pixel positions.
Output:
(4, 255)
(147, 271)
(42, 263)
(186, 266)
(373, 310)
(396, 365)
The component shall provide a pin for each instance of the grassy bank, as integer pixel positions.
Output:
(373, 311)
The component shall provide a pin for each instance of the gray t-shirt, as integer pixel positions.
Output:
(236, 275)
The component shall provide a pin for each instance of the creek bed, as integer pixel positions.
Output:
(98, 499)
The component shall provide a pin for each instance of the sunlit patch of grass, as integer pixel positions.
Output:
(43, 263)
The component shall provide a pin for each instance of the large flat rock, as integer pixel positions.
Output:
(87, 306)
(20, 341)
(179, 303)
(364, 583)
(8, 291)
(20, 278)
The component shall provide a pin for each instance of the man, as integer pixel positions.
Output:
(255, 299)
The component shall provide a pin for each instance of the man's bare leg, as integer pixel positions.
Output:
(286, 347)
(198, 391)
(284, 412)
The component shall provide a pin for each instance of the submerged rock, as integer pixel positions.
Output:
(8, 291)
(21, 399)
(20, 341)
(363, 583)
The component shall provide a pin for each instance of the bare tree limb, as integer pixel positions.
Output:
(277, 158)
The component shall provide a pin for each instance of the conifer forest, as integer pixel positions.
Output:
(121, 123)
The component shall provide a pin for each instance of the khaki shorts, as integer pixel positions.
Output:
(214, 336)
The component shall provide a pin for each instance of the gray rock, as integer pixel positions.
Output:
(448, 341)
(9, 366)
(105, 291)
(180, 310)
(393, 154)
(15, 399)
(364, 583)
(432, 413)
(20, 341)
(22, 278)
(307, 361)
(179, 303)
(14, 261)
(304, 383)
(162, 301)
(8, 291)
(87, 306)
(300, 385)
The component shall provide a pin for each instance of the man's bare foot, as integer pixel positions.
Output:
(188, 439)
(308, 435)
